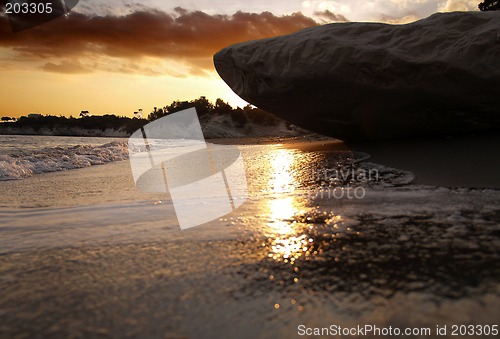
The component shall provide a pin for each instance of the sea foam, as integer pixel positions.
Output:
(54, 159)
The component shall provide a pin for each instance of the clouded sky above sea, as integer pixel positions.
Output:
(117, 56)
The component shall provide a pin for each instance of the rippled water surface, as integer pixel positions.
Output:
(84, 254)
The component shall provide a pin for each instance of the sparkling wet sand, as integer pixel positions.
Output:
(405, 255)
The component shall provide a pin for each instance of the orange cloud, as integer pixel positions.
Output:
(191, 37)
(65, 67)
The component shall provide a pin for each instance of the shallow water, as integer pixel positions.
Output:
(22, 156)
(85, 254)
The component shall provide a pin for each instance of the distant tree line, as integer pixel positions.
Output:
(207, 109)
(102, 123)
(204, 108)
(489, 5)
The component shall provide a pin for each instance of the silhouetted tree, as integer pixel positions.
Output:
(222, 108)
(177, 106)
(157, 114)
(205, 109)
(239, 117)
(203, 106)
(489, 5)
(7, 118)
(108, 121)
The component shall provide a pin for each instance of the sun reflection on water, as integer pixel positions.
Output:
(295, 232)
(285, 242)
(283, 178)
(282, 209)
(292, 227)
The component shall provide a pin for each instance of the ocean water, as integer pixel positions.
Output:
(324, 238)
(23, 156)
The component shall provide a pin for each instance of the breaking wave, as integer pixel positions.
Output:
(55, 159)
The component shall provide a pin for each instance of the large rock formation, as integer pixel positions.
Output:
(357, 81)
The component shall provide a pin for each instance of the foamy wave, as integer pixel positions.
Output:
(54, 159)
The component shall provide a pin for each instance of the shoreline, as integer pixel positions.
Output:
(97, 135)
(468, 161)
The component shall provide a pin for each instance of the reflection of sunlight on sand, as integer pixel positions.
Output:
(289, 248)
(286, 244)
(291, 230)
(282, 230)
(282, 209)
(282, 177)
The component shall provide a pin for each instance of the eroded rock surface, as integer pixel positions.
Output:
(358, 81)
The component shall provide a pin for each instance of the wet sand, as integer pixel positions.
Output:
(226, 289)
(230, 289)
(405, 255)
(454, 161)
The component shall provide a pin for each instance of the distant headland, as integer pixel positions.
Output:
(218, 120)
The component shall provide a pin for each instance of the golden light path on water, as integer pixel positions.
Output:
(292, 230)
(284, 229)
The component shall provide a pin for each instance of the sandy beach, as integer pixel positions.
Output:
(90, 256)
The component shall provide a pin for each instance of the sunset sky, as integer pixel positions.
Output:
(118, 56)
